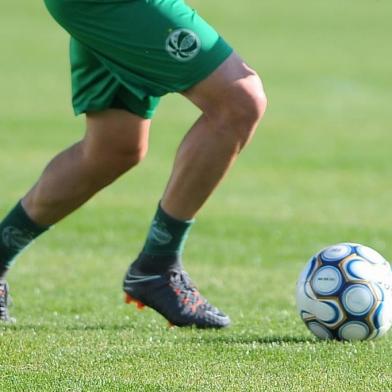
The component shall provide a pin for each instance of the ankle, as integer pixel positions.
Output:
(156, 264)
(167, 235)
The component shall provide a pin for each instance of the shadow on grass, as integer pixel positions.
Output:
(188, 335)
(254, 339)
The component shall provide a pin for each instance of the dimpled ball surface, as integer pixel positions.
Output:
(345, 293)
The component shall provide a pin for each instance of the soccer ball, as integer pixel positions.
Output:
(345, 293)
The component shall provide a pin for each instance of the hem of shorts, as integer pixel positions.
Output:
(144, 114)
(212, 66)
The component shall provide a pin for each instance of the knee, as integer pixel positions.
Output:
(242, 107)
(256, 99)
(128, 157)
(122, 158)
(111, 161)
(246, 102)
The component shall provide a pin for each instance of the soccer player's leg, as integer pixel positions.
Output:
(232, 101)
(115, 141)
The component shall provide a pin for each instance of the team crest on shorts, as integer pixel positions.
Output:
(183, 44)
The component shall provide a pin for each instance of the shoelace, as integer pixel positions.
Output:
(186, 291)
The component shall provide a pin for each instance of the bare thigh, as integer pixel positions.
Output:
(233, 85)
(116, 132)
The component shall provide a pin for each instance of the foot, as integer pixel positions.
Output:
(4, 301)
(173, 295)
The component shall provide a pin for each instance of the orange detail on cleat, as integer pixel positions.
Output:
(129, 299)
(170, 325)
(139, 305)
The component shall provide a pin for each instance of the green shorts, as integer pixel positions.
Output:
(127, 53)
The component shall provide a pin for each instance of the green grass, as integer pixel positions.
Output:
(317, 173)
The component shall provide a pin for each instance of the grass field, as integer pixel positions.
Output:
(317, 173)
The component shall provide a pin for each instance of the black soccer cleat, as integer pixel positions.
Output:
(174, 296)
(4, 302)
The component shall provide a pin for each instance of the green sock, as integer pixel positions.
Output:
(164, 244)
(167, 235)
(17, 231)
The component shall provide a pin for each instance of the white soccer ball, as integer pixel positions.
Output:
(345, 293)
